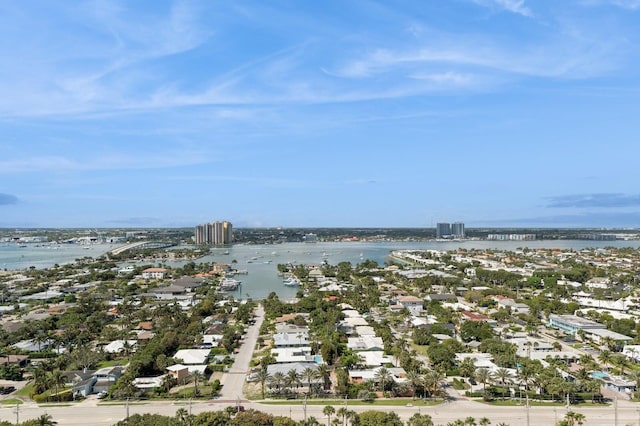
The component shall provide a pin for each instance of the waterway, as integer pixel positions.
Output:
(260, 261)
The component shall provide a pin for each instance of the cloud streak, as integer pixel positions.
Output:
(602, 200)
(7, 199)
(513, 6)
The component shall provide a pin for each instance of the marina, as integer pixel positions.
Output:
(259, 277)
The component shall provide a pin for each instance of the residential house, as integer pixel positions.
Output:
(287, 355)
(361, 376)
(154, 273)
(413, 304)
(193, 356)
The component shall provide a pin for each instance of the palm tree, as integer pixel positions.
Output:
(309, 374)
(293, 378)
(39, 380)
(502, 376)
(483, 375)
(593, 386)
(263, 376)
(383, 376)
(467, 367)
(168, 382)
(183, 417)
(470, 421)
(635, 376)
(432, 381)
(328, 411)
(572, 418)
(414, 380)
(197, 377)
(324, 373)
(484, 422)
(45, 420)
(58, 379)
(620, 361)
(343, 412)
(605, 357)
(420, 420)
(277, 379)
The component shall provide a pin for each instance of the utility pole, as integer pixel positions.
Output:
(127, 409)
(304, 408)
(527, 407)
(615, 406)
(17, 413)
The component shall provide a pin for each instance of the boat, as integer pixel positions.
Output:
(226, 252)
(229, 284)
(292, 283)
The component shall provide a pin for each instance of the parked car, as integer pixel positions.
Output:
(239, 408)
(6, 390)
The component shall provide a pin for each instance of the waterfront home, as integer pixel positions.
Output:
(154, 273)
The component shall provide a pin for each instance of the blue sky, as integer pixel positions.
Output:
(332, 113)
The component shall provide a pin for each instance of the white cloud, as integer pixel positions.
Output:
(625, 4)
(513, 6)
(101, 162)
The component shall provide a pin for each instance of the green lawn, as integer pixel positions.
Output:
(420, 350)
(11, 401)
(112, 363)
(25, 391)
(402, 402)
(517, 403)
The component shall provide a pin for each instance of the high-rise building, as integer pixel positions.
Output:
(216, 233)
(457, 230)
(443, 230)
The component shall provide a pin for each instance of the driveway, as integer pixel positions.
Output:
(234, 379)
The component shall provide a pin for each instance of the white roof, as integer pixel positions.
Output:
(176, 367)
(365, 330)
(365, 343)
(287, 339)
(355, 321)
(300, 354)
(192, 356)
(148, 382)
(374, 358)
(371, 373)
(117, 346)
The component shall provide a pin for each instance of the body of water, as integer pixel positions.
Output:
(261, 261)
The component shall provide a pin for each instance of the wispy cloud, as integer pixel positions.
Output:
(102, 162)
(585, 220)
(513, 6)
(604, 200)
(136, 221)
(6, 199)
(464, 59)
(625, 4)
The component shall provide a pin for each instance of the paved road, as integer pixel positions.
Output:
(233, 381)
(105, 415)
(102, 415)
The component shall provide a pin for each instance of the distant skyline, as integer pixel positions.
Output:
(493, 113)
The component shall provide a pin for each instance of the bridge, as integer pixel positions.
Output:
(140, 245)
